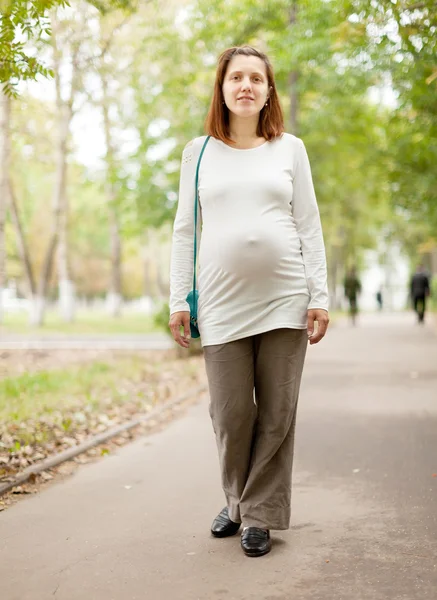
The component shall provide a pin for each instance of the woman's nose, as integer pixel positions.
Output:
(246, 85)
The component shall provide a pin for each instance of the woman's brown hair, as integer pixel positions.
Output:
(271, 119)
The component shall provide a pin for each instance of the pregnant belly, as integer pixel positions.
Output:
(253, 254)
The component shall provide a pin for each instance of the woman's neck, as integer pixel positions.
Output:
(243, 131)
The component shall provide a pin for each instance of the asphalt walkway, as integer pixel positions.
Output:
(135, 525)
(61, 341)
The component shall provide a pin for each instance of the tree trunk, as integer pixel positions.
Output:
(162, 282)
(65, 284)
(147, 282)
(23, 250)
(66, 292)
(333, 274)
(58, 234)
(114, 296)
(292, 81)
(5, 112)
(58, 230)
(39, 303)
(114, 300)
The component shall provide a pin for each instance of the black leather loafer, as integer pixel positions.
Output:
(222, 526)
(256, 541)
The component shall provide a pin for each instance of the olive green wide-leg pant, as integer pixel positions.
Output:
(255, 432)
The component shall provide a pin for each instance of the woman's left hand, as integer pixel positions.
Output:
(322, 318)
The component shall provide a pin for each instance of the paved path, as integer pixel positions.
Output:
(152, 341)
(134, 526)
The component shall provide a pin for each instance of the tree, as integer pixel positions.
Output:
(20, 22)
(4, 183)
(402, 46)
(151, 84)
(64, 113)
(25, 21)
(323, 82)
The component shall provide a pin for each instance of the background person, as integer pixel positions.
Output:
(352, 288)
(379, 300)
(419, 291)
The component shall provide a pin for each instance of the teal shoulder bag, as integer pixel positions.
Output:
(193, 296)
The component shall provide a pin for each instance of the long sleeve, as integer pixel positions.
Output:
(306, 215)
(182, 253)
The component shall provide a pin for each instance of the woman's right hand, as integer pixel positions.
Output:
(178, 320)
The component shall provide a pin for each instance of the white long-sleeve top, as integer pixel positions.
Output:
(261, 254)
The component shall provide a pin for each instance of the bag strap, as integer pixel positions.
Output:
(196, 202)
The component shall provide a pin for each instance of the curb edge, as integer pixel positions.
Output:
(96, 440)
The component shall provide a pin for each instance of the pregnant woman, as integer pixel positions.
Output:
(262, 286)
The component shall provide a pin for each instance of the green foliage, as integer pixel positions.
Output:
(106, 6)
(161, 317)
(373, 162)
(25, 21)
(20, 22)
(343, 132)
(403, 50)
(91, 322)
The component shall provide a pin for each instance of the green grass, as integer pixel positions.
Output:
(32, 395)
(90, 323)
(94, 323)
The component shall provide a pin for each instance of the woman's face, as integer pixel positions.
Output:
(245, 86)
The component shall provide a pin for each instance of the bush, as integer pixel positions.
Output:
(161, 316)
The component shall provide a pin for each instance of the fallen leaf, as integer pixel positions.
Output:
(20, 490)
(31, 440)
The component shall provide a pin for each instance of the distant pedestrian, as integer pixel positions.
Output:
(379, 299)
(352, 288)
(419, 290)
